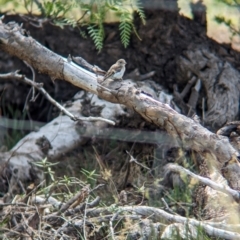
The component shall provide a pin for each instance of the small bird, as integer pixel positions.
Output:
(116, 71)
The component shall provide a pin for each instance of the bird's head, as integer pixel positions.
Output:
(121, 62)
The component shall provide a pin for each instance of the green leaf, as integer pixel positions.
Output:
(139, 10)
(60, 12)
(125, 32)
(48, 6)
(97, 36)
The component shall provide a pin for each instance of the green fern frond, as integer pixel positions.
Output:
(71, 22)
(140, 11)
(114, 4)
(97, 36)
(125, 28)
(94, 14)
(83, 34)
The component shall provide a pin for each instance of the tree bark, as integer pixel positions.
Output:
(214, 149)
(187, 131)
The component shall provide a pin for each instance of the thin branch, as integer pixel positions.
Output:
(167, 207)
(84, 14)
(219, 187)
(113, 218)
(132, 159)
(84, 218)
(18, 204)
(33, 79)
(79, 197)
(40, 88)
(10, 231)
(161, 214)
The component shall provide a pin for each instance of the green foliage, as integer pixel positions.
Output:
(90, 13)
(91, 176)
(125, 30)
(232, 3)
(46, 166)
(139, 9)
(97, 34)
(226, 21)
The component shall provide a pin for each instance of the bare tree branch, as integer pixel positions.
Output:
(185, 130)
(39, 86)
(161, 214)
(216, 186)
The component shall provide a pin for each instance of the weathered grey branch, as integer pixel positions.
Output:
(158, 213)
(190, 133)
(216, 186)
(50, 99)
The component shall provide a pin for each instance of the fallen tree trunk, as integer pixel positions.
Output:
(189, 133)
(216, 150)
(186, 130)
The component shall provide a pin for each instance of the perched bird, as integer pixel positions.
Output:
(116, 71)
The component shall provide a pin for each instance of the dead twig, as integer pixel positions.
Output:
(221, 188)
(132, 159)
(75, 200)
(40, 88)
(161, 214)
(33, 79)
(84, 218)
